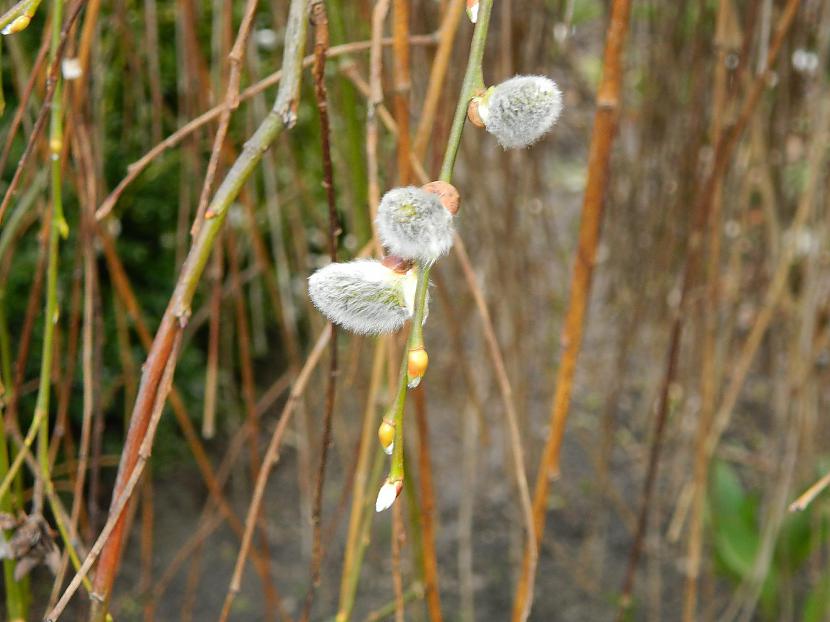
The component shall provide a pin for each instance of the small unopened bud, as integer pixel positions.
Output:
(447, 194)
(416, 366)
(364, 296)
(413, 224)
(521, 110)
(17, 24)
(386, 436)
(387, 495)
(472, 10)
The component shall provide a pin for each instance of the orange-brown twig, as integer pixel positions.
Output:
(282, 115)
(599, 155)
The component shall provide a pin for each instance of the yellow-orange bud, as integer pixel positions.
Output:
(417, 362)
(386, 434)
(19, 23)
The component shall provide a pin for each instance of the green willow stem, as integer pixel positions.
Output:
(473, 82)
(5, 351)
(282, 116)
(16, 591)
(57, 228)
(396, 472)
(416, 334)
(2, 98)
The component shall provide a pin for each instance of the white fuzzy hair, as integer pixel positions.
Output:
(521, 110)
(413, 224)
(363, 296)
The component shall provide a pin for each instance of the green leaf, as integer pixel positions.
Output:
(769, 594)
(726, 495)
(817, 607)
(732, 513)
(795, 542)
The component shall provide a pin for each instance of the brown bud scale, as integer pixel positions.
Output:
(398, 264)
(447, 193)
(472, 112)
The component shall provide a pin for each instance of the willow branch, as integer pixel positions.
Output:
(281, 116)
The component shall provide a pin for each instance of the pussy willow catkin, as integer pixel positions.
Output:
(521, 110)
(364, 296)
(414, 224)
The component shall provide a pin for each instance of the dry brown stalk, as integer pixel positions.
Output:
(512, 419)
(708, 370)
(212, 367)
(351, 72)
(400, 25)
(166, 382)
(124, 291)
(269, 461)
(230, 104)
(473, 393)
(493, 349)
(321, 45)
(357, 516)
(249, 399)
(175, 317)
(427, 514)
(45, 108)
(397, 545)
(151, 36)
(602, 137)
(435, 87)
(702, 209)
(90, 294)
(137, 167)
(20, 112)
(211, 517)
(400, 47)
(807, 497)
(375, 97)
(774, 291)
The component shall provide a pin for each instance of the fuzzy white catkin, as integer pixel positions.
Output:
(413, 224)
(363, 296)
(521, 110)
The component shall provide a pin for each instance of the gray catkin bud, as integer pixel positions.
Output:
(414, 224)
(521, 110)
(363, 296)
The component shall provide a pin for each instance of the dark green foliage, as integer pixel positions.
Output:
(735, 520)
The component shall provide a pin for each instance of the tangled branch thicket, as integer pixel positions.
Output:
(576, 256)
